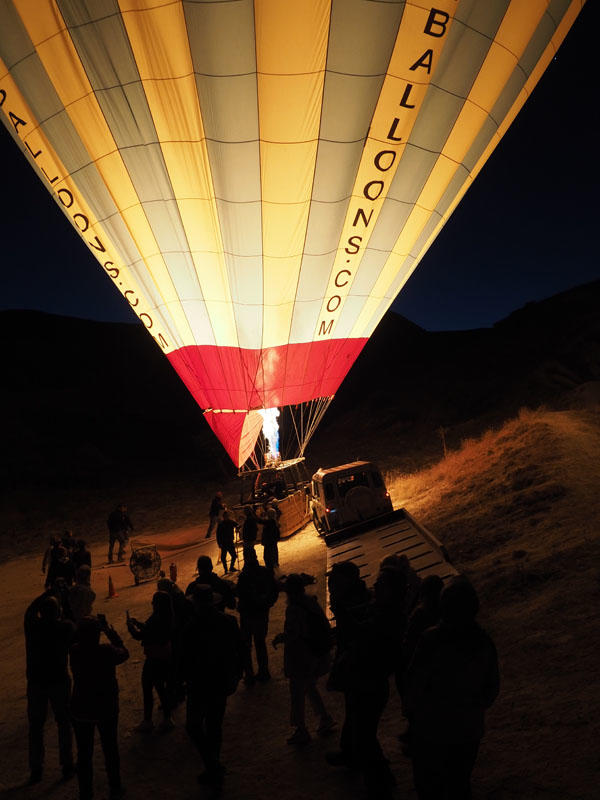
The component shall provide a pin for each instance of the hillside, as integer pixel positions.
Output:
(409, 383)
(518, 510)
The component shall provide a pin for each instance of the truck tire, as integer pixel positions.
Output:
(317, 523)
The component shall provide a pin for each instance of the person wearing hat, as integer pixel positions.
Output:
(307, 643)
(211, 667)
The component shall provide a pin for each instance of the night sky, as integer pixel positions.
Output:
(523, 232)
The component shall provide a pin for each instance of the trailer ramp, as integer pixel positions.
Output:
(397, 533)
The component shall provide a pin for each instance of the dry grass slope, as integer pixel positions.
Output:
(518, 511)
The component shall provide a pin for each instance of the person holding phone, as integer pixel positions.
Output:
(155, 634)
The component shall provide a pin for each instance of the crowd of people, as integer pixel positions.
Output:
(265, 516)
(419, 636)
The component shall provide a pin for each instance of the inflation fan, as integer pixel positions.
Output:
(144, 562)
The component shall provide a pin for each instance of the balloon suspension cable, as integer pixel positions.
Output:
(322, 404)
(281, 439)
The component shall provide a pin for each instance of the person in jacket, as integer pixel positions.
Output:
(369, 631)
(214, 512)
(81, 555)
(219, 586)
(182, 612)
(451, 681)
(68, 542)
(269, 539)
(119, 526)
(249, 530)
(425, 615)
(225, 541)
(95, 701)
(155, 635)
(47, 641)
(81, 596)
(61, 568)
(257, 592)
(50, 556)
(211, 667)
(307, 644)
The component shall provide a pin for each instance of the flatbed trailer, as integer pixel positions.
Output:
(396, 533)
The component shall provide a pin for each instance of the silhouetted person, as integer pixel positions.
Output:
(181, 607)
(307, 642)
(214, 512)
(257, 592)
(81, 555)
(367, 643)
(182, 612)
(425, 615)
(119, 526)
(451, 680)
(389, 612)
(211, 666)
(61, 567)
(155, 635)
(249, 530)
(47, 641)
(81, 596)
(269, 538)
(413, 582)
(349, 598)
(95, 701)
(372, 651)
(225, 541)
(50, 555)
(219, 586)
(68, 541)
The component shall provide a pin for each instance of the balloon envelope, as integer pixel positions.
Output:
(260, 178)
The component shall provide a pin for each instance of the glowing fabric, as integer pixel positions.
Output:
(260, 178)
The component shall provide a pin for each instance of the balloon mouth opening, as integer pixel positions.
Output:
(270, 431)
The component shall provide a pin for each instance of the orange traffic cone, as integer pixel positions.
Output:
(111, 588)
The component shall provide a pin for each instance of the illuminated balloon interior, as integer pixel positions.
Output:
(270, 430)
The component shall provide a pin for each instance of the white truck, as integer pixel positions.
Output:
(352, 509)
(347, 495)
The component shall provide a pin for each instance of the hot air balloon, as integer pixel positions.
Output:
(260, 178)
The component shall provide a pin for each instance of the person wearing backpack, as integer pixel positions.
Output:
(306, 656)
